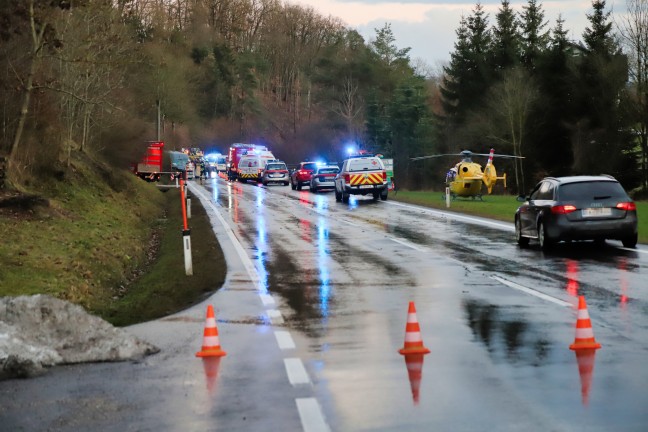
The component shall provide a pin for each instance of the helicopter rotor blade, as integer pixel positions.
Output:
(463, 154)
(434, 156)
(499, 155)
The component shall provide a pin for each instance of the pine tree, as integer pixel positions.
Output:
(468, 76)
(597, 37)
(601, 139)
(506, 39)
(550, 140)
(534, 39)
(456, 73)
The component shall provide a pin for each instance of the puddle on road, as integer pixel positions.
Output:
(506, 335)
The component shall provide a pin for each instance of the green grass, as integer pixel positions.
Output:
(164, 287)
(92, 245)
(500, 207)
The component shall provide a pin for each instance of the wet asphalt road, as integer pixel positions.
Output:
(313, 313)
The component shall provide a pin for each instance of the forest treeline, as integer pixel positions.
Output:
(101, 77)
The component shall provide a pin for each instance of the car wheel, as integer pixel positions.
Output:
(630, 242)
(292, 185)
(521, 241)
(545, 242)
(338, 196)
(313, 189)
(376, 195)
(299, 186)
(265, 183)
(285, 184)
(383, 195)
(345, 197)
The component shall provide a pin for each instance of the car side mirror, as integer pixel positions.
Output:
(521, 198)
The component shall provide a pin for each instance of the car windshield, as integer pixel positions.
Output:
(276, 166)
(309, 166)
(364, 164)
(591, 191)
(328, 170)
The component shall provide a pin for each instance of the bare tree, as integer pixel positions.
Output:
(633, 28)
(39, 25)
(350, 107)
(510, 103)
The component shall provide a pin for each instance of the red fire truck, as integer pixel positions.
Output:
(235, 152)
(150, 166)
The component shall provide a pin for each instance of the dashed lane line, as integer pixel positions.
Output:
(275, 316)
(297, 374)
(284, 340)
(310, 413)
(267, 299)
(449, 215)
(311, 416)
(409, 245)
(531, 291)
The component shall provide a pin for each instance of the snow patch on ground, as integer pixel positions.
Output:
(40, 331)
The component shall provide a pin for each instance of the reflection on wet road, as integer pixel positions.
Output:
(343, 275)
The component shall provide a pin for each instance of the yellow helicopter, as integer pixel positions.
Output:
(465, 179)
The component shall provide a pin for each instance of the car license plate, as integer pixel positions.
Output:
(366, 186)
(596, 212)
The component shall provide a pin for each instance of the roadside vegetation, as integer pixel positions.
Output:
(500, 207)
(109, 242)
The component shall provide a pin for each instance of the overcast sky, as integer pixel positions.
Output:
(428, 26)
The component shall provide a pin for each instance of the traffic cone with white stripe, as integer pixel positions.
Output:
(413, 340)
(211, 344)
(584, 333)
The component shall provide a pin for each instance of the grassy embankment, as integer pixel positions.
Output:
(501, 207)
(111, 243)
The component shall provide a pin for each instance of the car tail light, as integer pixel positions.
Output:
(347, 178)
(563, 209)
(384, 174)
(627, 206)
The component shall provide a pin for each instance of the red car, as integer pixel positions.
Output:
(302, 175)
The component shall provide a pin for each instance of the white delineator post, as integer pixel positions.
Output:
(447, 197)
(186, 241)
(186, 234)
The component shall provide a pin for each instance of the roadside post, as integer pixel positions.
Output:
(188, 206)
(447, 197)
(186, 233)
(389, 168)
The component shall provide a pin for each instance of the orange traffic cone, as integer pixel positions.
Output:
(584, 334)
(414, 364)
(211, 345)
(413, 341)
(585, 359)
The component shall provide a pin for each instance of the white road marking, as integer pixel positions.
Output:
(267, 299)
(284, 340)
(311, 415)
(409, 245)
(296, 371)
(247, 262)
(531, 291)
(634, 250)
(450, 215)
(275, 316)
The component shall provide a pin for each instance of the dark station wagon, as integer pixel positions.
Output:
(576, 208)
